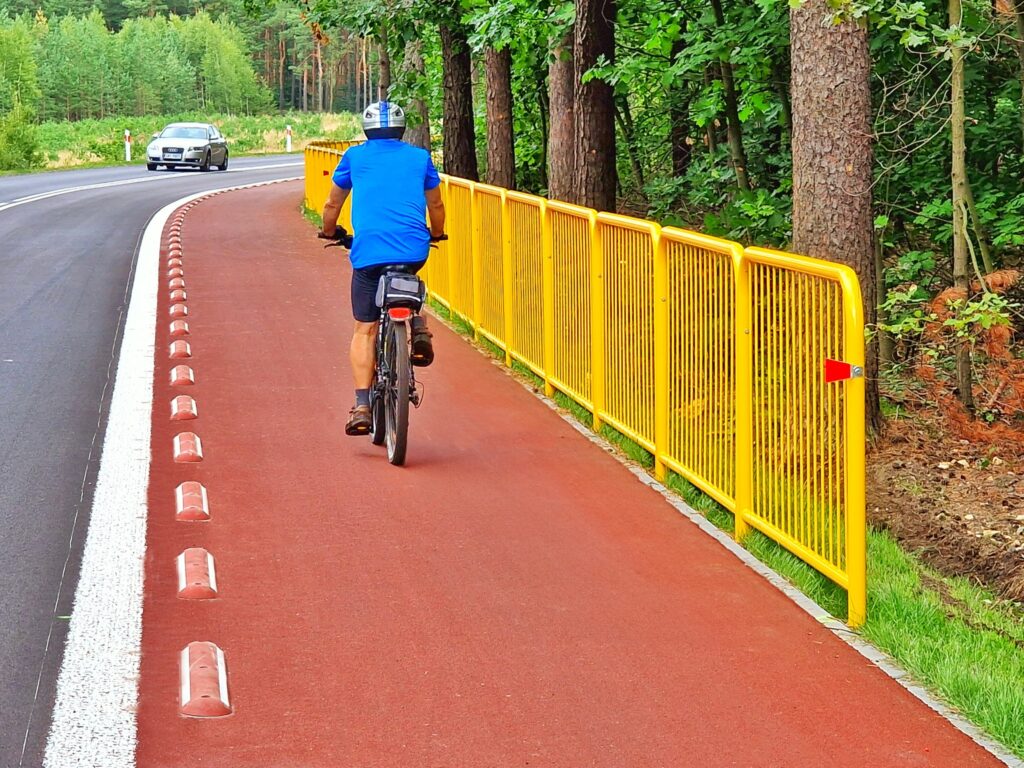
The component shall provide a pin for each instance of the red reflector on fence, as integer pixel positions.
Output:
(400, 314)
(327, 173)
(837, 370)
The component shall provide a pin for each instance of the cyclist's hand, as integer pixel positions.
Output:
(438, 238)
(340, 237)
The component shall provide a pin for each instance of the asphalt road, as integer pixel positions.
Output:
(68, 242)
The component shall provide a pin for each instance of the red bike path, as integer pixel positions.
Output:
(512, 597)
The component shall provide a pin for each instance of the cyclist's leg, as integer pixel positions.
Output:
(362, 350)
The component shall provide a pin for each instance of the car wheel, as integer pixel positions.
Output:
(150, 166)
(206, 163)
(224, 166)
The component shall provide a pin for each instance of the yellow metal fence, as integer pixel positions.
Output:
(708, 355)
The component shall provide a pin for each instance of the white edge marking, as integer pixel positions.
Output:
(93, 721)
(222, 677)
(212, 572)
(181, 572)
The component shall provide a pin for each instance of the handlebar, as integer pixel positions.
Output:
(342, 238)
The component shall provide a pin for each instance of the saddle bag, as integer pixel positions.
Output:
(400, 289)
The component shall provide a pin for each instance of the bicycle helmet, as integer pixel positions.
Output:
(383, 120)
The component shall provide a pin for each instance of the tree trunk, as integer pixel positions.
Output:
(319, 75)
(625, 122)
(459, 134)
(832, 155)
(679, 113)
(1019, 19)
(385, 67)
(595, 178)
(561, 139)
(418, 133)
(734, 131)
(501, 158)
(282, 52)
(961, 276)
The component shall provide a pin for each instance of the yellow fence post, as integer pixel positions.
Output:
(660, 355)
(476, 249)
(506, 274)
(856, 527)
(548, 282)
(743, 351)
(596, 320)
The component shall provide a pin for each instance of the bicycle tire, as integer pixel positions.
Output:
(378, 430)
(397, 393)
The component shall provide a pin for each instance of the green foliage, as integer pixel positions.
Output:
(754, 216)
(75, 67)
(18, 79)
(907, 313)
(19, 146)
(81, 142)
(983, 313)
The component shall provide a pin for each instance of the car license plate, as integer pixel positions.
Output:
(172, 155)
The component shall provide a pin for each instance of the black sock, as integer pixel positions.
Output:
(362, 397)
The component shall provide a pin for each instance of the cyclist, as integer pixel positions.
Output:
(394, 187)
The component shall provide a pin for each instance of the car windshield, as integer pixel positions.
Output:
(181, 132)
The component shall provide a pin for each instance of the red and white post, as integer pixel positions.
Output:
(127, 145)
(287, 138)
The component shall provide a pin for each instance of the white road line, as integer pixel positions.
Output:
(97, 690)
(124, 182)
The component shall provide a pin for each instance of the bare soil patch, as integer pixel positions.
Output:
(958, 503)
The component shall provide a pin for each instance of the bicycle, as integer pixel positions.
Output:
(400, 296)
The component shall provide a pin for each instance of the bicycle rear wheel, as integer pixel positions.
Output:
(378, 429)
(396, 393)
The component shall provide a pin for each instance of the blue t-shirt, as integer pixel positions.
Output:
(388, 178)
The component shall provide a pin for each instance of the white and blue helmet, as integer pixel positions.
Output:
(383, 120)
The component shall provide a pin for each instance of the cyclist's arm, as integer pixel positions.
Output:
(332, 208)
(435, 210)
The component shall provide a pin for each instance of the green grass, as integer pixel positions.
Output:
(954, 637)
(90, 143)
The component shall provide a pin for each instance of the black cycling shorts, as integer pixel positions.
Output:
(364, 290)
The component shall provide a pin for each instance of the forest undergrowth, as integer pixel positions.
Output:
(946, 482)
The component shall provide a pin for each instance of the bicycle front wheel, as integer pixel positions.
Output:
(396, 402)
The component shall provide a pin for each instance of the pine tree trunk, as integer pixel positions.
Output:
(501, 158)
(459, 133)
(418, 133)
(961, 276)
(679, 116)
(832, 155)
(594, 115)
(562, 141)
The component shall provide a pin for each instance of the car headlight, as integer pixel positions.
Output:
(197, 148)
